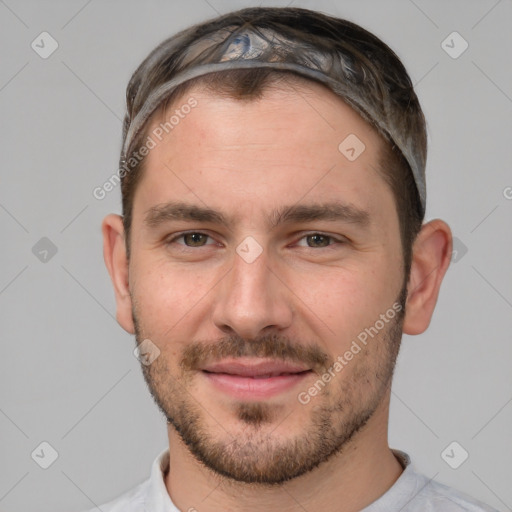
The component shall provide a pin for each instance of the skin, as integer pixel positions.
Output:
(246, 158)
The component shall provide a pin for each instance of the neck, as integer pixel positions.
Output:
(347, 482)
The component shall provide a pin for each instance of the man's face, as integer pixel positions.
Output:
(285, 295)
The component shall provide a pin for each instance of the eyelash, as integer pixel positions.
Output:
(312, 233)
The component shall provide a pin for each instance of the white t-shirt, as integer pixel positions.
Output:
(412, 492)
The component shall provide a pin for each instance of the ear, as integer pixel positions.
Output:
(432, 251)
(114, 254)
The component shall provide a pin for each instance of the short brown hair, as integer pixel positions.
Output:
(247, 84)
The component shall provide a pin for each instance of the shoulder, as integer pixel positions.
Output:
(414, 492)
(435, 496)
(432, 496)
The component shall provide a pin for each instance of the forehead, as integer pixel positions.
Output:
(323, 116)
(292, 141)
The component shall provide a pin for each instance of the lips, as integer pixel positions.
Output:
(254, 379)
(256, 369)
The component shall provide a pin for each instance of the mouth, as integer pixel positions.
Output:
(249, 378)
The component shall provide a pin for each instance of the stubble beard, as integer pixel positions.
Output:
(253, 454)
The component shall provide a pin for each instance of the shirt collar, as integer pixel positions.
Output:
(158, 499)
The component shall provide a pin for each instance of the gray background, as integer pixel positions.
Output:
(68, 374)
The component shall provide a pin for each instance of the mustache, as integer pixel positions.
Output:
(272, 346)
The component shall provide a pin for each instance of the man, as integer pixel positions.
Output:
(270, 255)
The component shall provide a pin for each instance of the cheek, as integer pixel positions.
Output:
(169, 297)
(343, 301)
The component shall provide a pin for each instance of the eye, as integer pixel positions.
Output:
(319, 240)
(191, 239)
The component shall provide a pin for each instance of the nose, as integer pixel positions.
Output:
(252, 299)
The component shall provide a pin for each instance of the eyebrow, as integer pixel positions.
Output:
(332, 211)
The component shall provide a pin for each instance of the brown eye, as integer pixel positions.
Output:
(194, 239)
(318, 240)
(191, 239)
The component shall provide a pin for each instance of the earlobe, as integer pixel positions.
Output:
(430, 260)
(114, 254)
